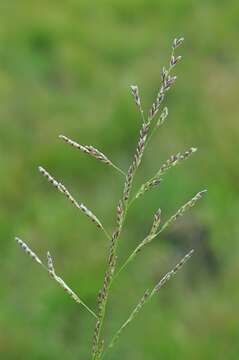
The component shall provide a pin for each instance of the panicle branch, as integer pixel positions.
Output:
(173, 272)
(68, 195)
(28, 251)
(183, 209)
(172, 161)
(108, 278)
(166, 79)
(51, 271)
(90, 150)
(148, 296)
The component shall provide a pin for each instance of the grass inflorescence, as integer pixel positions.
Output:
(149, 125)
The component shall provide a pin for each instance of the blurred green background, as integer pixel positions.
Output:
(66, 67)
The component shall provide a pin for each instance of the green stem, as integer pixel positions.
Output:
(101, 318)
(119, 170)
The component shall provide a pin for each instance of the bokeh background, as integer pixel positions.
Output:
(66, 67)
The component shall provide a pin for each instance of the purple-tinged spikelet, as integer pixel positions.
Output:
(50, 265)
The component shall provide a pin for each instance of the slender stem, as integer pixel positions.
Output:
(148, 295)
(125, 324)
(97, 352)
(119, 170)
(101, 317)
(134, 253)
(106, 233)
(90, 311)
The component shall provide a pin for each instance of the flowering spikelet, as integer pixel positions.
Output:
(156, 222)
(97, 154)
(183, 209)
(135, 94)
(120, 214)
(28, 251)
(162, 117)
(137, 159)
(50, 265)
(174, 60)
(65, 192)
(177, 42)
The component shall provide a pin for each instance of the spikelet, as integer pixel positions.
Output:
(28, 251)
(183, 209)
(174, 60)
(67, 194)
(162, 117)
(156, 222)
(97, 154)
(177, 42)
(135, 94)
(148, 295)
(50, 265)
(119, 214)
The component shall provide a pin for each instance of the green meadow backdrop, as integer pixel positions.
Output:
(65, 68)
